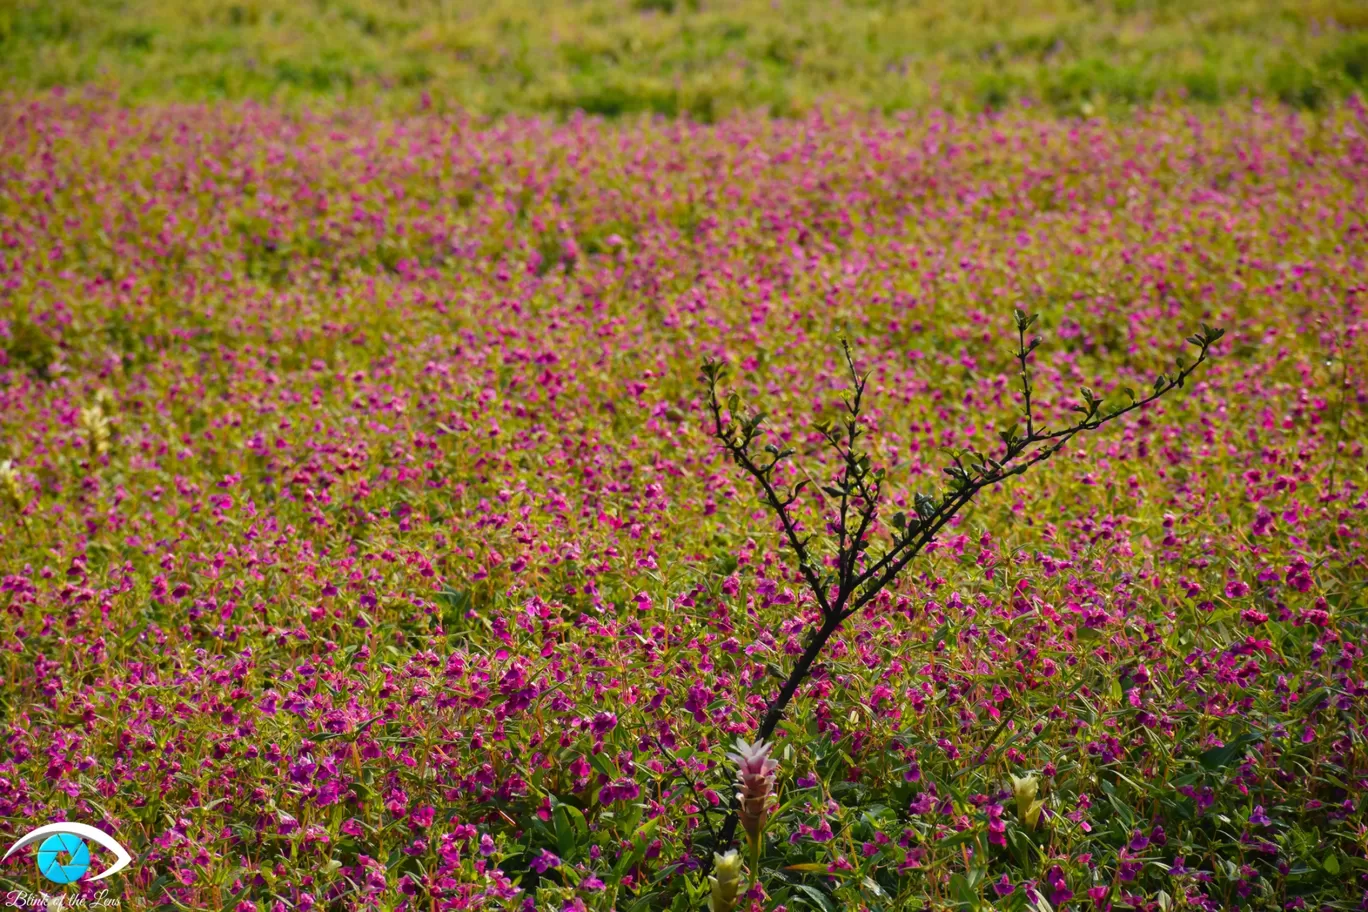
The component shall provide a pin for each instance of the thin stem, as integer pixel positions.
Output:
(755, 857)
(693, 786)
(1339, 422)
(739, 453)
(1023, 323)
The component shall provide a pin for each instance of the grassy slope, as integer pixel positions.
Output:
(702, 57)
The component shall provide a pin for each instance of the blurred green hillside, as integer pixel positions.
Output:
(700, 57)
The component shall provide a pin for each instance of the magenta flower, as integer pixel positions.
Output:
(619, 790)
(1059, 892)
(544, 862)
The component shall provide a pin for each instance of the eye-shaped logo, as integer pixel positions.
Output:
(64, 857)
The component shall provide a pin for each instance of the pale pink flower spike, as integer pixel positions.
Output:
(755, 773)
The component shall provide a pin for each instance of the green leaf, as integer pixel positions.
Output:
(820, 899)
(572, 830)
(1022, 846)
(601, 765)
(640, 840)
(1219, 757)
(1331, 864)
(960, 889)
(957, 839)
(643, 903)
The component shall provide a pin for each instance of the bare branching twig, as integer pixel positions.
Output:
(857, 491)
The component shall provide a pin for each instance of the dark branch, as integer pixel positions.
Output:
(858, 486)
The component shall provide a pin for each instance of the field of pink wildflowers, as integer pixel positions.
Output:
(364, 544)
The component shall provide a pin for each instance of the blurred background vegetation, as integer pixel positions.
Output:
(704, 58)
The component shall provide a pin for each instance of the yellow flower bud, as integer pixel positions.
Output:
(96, 427)
(9, 484)
(1024, 790)
(1032, 815)
(726, 882)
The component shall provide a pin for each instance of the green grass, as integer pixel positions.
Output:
(703, 58)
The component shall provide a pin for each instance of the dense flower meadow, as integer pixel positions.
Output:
(364, 544)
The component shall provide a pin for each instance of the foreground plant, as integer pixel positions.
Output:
(841, 573)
